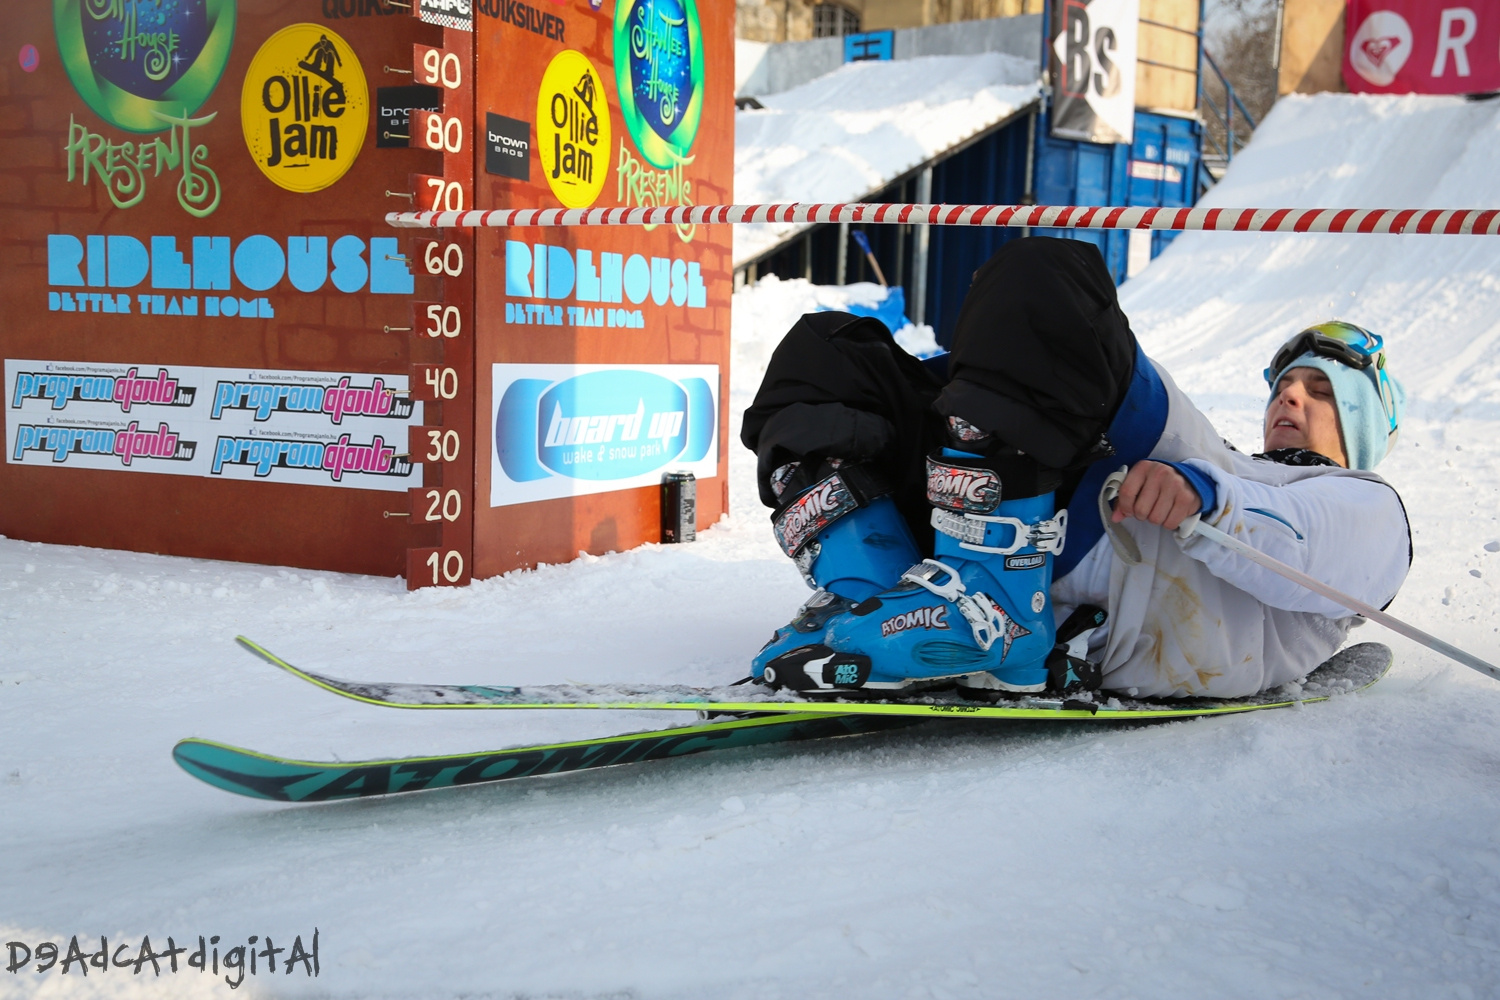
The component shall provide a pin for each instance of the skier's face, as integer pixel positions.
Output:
(1304, 414)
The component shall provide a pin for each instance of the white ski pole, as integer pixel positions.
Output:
(1195, 525)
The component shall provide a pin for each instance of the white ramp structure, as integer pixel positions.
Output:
(1216, 305)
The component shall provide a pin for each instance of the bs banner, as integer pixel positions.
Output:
(1093, 69)
(570, 430)
(1422, 47)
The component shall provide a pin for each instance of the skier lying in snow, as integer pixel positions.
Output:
(1046, 395)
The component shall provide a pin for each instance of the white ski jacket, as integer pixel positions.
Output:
(1193, 618)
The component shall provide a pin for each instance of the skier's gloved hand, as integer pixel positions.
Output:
(1160, 493)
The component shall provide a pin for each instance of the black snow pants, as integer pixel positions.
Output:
(1042, 357)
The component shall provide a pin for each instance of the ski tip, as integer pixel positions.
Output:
(256, 649)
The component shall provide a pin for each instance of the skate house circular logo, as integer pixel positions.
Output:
(304, 107)
(659, 73)
(139, 64)
(572, 126)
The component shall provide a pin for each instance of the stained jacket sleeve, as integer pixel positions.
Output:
(1350, 533)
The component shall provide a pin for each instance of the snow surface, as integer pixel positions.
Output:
(848, 134)
(1347, 849)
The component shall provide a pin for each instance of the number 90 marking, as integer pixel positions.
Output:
(442, 67)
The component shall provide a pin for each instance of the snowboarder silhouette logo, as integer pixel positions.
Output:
(320, 61)
(585, 93)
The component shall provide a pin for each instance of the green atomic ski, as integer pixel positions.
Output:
(1347, 670)
(777, 718)
(280, 779)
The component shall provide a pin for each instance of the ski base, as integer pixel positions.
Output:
(280, 779)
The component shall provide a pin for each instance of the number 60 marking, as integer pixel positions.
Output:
(444, 259)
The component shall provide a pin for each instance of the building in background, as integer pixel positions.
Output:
(968, 113)
(800, 20)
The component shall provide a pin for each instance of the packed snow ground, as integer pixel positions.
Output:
(1347, 849)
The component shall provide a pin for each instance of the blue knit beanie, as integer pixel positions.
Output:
(1367, 432)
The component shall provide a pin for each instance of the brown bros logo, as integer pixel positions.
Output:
(304, 107)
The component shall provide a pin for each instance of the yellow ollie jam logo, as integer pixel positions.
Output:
(304, 107)
(572, 126)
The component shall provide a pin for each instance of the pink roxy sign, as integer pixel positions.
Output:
(1422, 46)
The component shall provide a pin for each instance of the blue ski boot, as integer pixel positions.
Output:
(978, 614)
(846, 536)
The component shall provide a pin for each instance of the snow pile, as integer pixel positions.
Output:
(1216, 305)
(1347, 849)
(765, 311)
(846, 135)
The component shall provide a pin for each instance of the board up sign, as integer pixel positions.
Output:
(1093, 54)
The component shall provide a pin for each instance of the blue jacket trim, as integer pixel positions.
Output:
(1276, 517)
(1208, 493)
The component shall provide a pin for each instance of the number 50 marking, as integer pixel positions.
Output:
(446, 320)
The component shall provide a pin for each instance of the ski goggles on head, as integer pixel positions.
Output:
(1347, 344)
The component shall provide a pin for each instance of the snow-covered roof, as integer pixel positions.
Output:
(846, 135)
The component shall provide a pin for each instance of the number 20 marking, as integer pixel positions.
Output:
(445, 506)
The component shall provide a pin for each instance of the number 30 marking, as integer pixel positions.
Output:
(444, 446)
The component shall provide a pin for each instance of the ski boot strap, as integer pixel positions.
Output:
(984, 617)
(983, 532)
(846, 488)
(975, 484)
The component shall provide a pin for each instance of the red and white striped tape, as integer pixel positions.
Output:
(1446, 221)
